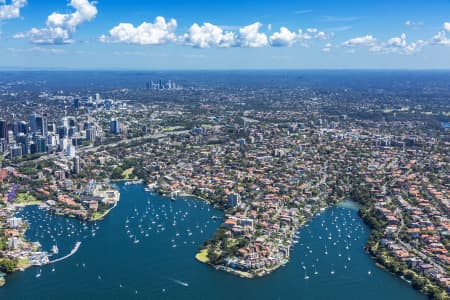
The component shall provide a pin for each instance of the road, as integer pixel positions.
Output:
(412, 249)
(111, 145)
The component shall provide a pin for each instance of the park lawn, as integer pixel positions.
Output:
(202, 256)
(126, 174)
(23, 263)
(26, 198)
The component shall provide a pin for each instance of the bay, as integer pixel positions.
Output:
(145, 250)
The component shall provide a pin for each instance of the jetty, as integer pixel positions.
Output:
(74, 250)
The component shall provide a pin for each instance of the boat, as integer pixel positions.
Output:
(136, 241)
(55, 249)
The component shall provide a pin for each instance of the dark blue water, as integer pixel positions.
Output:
(110, 265)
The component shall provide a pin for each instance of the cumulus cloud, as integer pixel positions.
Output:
(360, 41)
(11, 10)
(286, 38)
(157, 33)
(60, 27)
(446, 26)
(249, 36)
(282, 38)
(440, 39)
(397, 45)
(209, 35)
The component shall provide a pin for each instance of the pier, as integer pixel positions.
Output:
(74, 250)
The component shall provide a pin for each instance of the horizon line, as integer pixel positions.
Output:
(24, 69)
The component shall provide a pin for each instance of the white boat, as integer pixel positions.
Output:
(55, 249)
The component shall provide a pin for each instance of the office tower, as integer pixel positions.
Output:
(76, 165)
(23, 140)
(15, 151)
(22, 127)
(91, 134)
(108, 104)
(51, 127)
(3, 129)
(71, 151)
(38, 124)
(10, 137)
(40, 144)
(76, 103)
(114, 126)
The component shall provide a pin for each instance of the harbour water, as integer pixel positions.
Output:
(145, 250)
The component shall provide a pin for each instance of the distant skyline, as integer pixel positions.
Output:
(190, 35)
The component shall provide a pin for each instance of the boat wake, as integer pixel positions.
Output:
(185, 284)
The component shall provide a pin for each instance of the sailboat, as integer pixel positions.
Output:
(306, 275)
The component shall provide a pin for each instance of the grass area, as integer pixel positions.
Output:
(171, 128)
(98, 216)
(202, 256)
(23, 263)
(231, 242)
(26, 198)
(126, 174)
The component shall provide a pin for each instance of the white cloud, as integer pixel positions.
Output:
(11, 10)
(209, 35)
(446, 26)
(283, 38)
(399, 42)
(397, 45)
(60, 27)
(414, 24)
(327, 47)
(249, 36)
(157, 33)
(360, 41)
(440, 39)
(286, 38)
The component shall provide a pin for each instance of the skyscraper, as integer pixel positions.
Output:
(76, 165)
(3, 129)
(38, 124)
(114, 126)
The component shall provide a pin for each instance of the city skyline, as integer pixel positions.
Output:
(82, 34)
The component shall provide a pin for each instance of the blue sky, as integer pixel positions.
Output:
(142, 34)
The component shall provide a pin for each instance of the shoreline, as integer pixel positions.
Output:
(17, 207)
